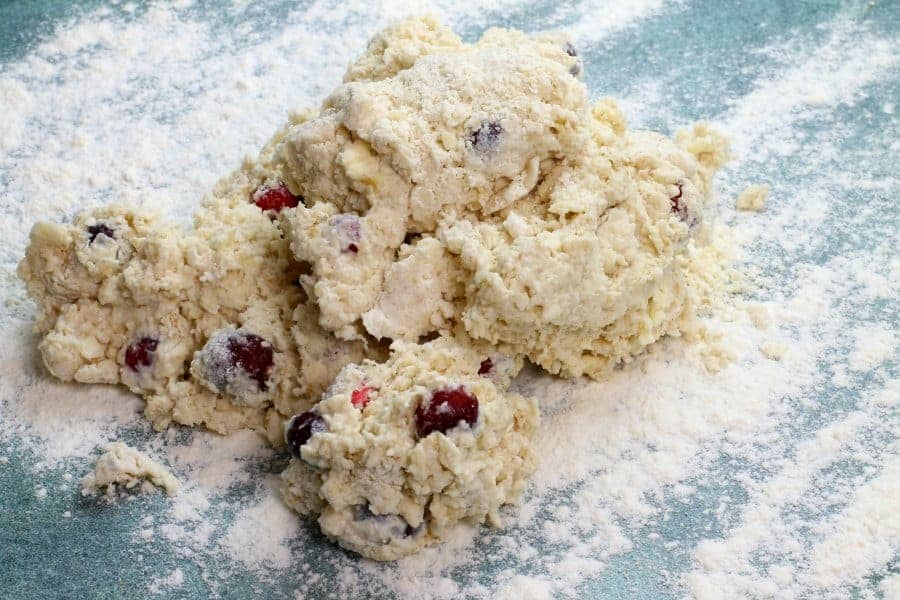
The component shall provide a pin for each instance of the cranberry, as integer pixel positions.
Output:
(360, 397)
(678, 206)
(232, 350)
(347, 228)
(275, 198)
(487, 136)
(97, 229)
(446, 409)
(486, 366)
(140, 353)
(302, 427)
(570, 49)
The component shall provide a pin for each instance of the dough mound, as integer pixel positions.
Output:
(381, 270)
(449, 184)
(126, 298)
(379, 482)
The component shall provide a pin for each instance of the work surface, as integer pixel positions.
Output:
(768, 478)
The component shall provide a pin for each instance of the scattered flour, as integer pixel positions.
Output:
(162, 585)
(872, 346)
(260, 532)
(149, 109)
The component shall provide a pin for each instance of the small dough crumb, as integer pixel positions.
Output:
(774, 350)
(753, 198)
(122, 466)
(759, 316)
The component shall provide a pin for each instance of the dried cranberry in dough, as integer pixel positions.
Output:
(140, 353)
(445, 410)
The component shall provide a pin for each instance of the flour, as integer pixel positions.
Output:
(260, 532)
(162, 585)
(872, 346)
(151, 109)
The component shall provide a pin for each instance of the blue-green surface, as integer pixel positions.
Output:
(684, 61)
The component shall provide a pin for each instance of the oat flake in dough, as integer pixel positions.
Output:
(463, 192)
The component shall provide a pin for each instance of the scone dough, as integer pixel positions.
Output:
(378, 481)
(449, 185)
(122, 467)
(124, 297)
(466, 194)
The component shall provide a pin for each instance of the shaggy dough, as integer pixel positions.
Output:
(126, 298)
(449, 184)
(121, 466)
(380, 485)
(462, 193)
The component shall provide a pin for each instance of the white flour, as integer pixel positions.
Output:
(153, 109)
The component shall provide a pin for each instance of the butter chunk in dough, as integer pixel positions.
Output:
(396, 453)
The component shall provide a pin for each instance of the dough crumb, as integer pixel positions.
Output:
(774, 350)
(122, 466)
(759, 316)
(753, 198)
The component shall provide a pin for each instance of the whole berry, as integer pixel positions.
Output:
(446, 409)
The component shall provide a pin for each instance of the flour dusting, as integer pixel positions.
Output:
(768, 478)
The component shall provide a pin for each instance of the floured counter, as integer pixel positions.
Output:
(662, 478)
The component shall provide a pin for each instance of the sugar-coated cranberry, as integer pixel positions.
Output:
(360, 397)
(97, 229)
(140, 353)
(275, 198)
(487, 137)
(300, 428)
(347, 228)
(678, 206)
(236, 352)
(445, 410)
(486, 366)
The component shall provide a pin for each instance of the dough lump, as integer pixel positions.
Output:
(123, 467)
(365, 289)
(385, 462)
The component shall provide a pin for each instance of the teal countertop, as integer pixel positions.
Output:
(671, 63)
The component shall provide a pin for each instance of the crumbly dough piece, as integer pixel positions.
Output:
(209, 325)
(380, 479)
(459, 130)
(450, 184)
(753, 198)
(123, 467)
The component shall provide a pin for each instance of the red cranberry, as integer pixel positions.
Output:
(275, 198)
(487, 136)
(678, 207)
(360, 397)
(486, 366)
(446, 409)
(140, 353)
(225, 353)
(97, 229)
(302, 427)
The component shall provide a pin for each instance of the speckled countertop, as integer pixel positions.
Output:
(786, 459)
